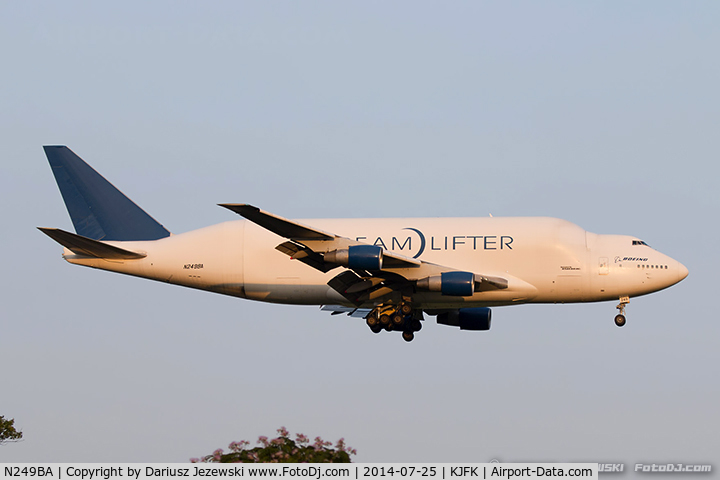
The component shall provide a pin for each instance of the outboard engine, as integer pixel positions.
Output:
(364, 257)
(467, 318)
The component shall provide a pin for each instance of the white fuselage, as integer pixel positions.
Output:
(545, 260)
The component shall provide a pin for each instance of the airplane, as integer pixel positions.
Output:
(389, 271)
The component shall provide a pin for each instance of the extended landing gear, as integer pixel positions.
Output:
(393, 317)
(620, 319)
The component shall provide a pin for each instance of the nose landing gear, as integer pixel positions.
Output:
(620, 319)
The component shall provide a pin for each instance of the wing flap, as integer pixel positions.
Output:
(305, 255)
(87, 246)
(341, 282)
(351, 312)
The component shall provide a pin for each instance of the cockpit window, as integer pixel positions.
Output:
(640, 242)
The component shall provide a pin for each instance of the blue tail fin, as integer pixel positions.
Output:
(98, 210)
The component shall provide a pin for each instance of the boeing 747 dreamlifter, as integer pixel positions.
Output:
(388, 271)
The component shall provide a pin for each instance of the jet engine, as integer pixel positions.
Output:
(467, 318)
(364, 257)
(457, 284)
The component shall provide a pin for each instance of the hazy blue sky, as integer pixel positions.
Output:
(603, 113)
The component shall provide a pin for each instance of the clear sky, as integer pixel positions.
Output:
(603, 113)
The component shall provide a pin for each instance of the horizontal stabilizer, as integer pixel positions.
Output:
(87, 246)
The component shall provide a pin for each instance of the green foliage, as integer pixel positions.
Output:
(8, 432)
(282, 450)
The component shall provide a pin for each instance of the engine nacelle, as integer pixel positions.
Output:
(364, 257)
(456, 284)
(467, 318)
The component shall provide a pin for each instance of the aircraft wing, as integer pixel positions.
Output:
(281, 226)
(300, 235)
(372, 272)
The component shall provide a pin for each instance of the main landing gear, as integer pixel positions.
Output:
(620, 318)
(393, 317)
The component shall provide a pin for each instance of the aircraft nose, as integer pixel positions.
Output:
(682, 272)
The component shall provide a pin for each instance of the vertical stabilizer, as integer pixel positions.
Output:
(98, 210)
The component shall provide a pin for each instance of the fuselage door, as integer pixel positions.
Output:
(603, 266)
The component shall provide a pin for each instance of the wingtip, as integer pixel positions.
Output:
(238, 208)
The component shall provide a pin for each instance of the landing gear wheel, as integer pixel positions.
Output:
(385, 319)
(372, 321)
(620, 320)
(376, 329)
(416, 325)
(398, 320)
(406, 309)
(408, 336)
